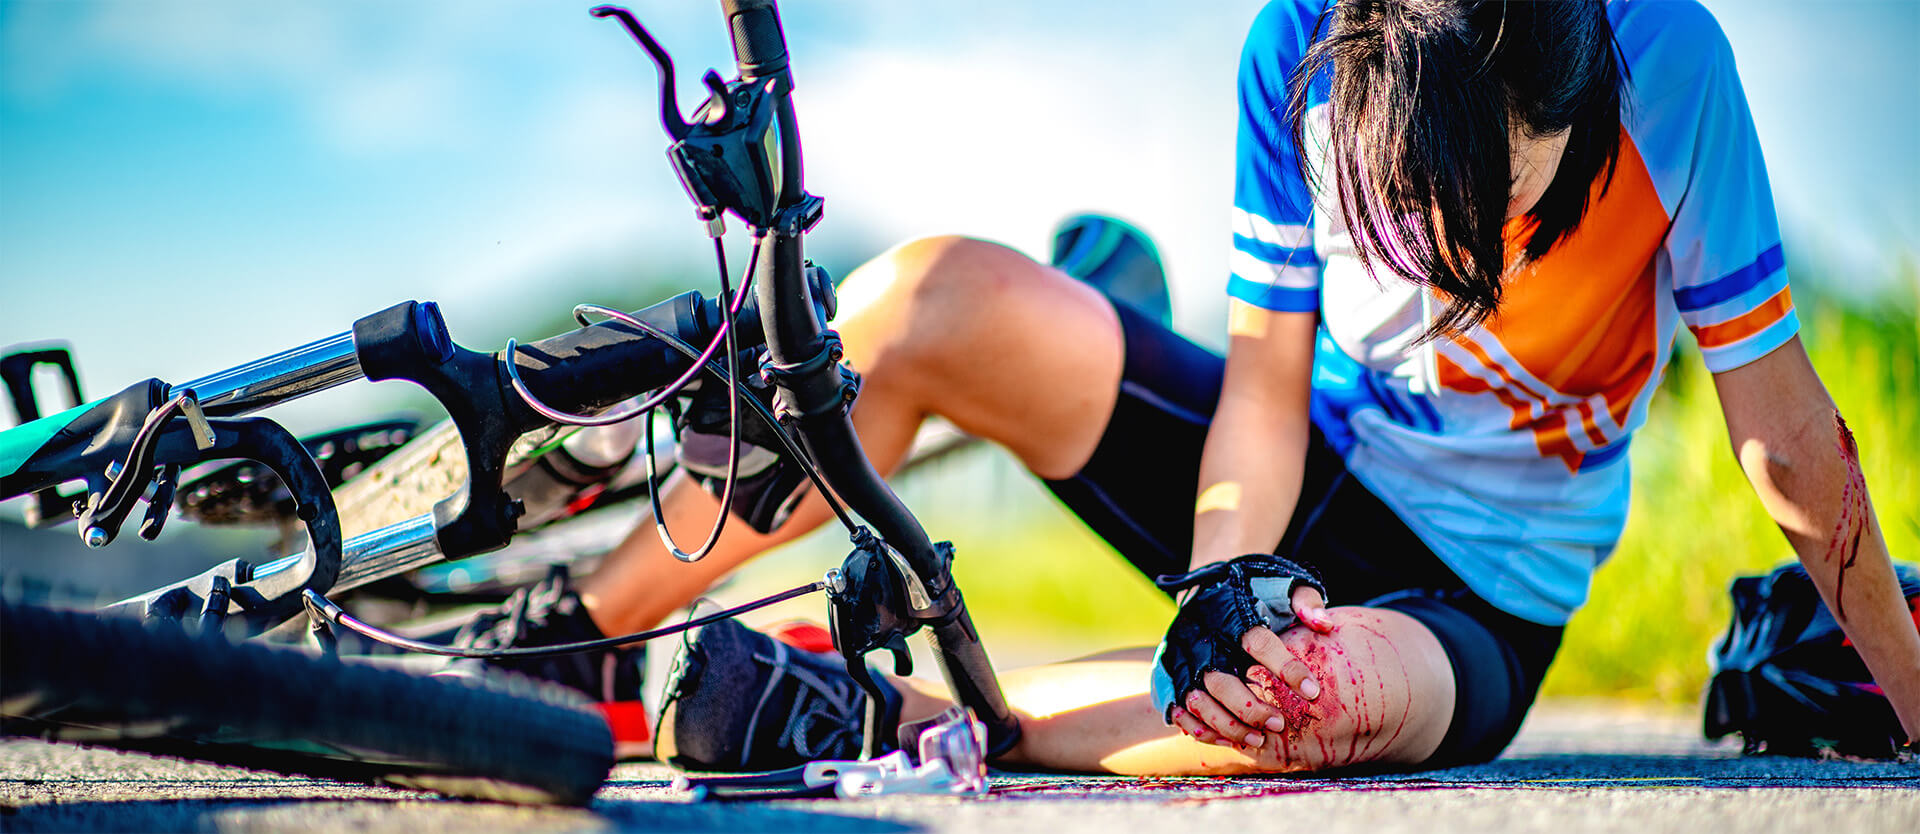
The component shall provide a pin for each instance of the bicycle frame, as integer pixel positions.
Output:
(892, 585)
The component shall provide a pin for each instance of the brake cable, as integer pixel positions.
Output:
(667, 392)
(766, 414)
(322, 608)
(733, 429)
(798, 452)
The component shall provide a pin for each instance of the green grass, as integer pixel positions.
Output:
(1694, 525)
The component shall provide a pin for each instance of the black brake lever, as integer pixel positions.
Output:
(871, 612)
(669, 104)
(733, 155)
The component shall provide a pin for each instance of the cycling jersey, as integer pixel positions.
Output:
(1504, 448)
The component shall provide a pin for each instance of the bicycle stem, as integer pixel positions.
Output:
(795, 341)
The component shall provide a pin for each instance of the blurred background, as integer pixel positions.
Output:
(186, 186)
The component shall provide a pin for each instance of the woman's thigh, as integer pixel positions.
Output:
(1006, 348)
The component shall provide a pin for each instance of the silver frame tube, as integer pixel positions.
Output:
(370, 557)
(311, 367)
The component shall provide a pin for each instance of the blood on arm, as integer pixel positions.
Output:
(1844, 545)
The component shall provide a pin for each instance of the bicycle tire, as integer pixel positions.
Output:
(114, 682)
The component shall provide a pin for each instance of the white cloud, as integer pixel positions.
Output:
(1004, 140)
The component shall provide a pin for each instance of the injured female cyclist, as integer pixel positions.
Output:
(1465, 236)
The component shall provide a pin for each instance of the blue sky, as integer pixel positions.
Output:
(188, 185)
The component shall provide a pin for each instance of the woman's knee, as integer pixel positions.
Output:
(956, 280)
(950, 263)
(930, 299)
(1006, 348)
(1385, 695)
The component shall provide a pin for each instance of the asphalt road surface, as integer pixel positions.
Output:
(1575, 767)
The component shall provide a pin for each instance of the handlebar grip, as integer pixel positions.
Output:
(759, 45)
(596, 367)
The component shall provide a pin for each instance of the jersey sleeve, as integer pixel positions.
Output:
(1723, 247)
(1273, 262)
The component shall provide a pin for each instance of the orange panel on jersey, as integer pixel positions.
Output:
(1584, 313)
(1549, 431)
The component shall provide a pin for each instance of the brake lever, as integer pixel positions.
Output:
(729, 157)
(870, 612)
(670, 117)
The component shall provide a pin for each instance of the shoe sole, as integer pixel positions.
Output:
(632, 737)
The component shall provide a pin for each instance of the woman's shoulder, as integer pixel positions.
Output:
(1275, 44)
(1283, 28)
(1667, 44)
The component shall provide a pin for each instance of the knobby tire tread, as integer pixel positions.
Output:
(499, 738)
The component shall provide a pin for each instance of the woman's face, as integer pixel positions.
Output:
(1535, 160)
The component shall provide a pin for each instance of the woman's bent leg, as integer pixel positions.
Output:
(1006, 348)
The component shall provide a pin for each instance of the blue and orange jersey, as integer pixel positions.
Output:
(1504, 447)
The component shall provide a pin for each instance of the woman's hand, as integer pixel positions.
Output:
(1242, 712)
(1222, 646)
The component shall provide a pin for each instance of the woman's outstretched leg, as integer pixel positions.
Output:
(742, 701)
(1386, 698)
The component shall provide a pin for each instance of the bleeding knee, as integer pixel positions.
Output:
(1373, 701)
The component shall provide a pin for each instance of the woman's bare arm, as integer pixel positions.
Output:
(1804, 464)
(1256, 450)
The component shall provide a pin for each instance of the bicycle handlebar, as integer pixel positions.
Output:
(759, 44)
(749, 160)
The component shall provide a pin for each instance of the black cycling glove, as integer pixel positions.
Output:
(1230, 599)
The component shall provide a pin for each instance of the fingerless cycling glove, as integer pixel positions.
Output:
(1228, 599)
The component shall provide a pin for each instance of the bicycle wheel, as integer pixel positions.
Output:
(73, 676)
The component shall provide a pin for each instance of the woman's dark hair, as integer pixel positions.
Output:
(1423, 93)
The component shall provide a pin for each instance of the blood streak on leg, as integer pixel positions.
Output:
(1379, 673)
(1356, 697)
(1844, 545)
(1363, 726)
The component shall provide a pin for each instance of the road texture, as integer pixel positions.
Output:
(1575, 767)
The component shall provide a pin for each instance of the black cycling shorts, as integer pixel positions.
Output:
(1137, 492)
